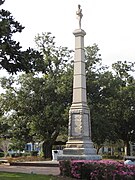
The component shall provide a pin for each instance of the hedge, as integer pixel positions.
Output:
(97, 170)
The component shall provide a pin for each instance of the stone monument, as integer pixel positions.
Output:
(79, 145)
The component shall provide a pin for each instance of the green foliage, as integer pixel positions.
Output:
(1, 154)
(12, 58)
(34, 153)
(111, 97)
(37, 103)
(55, 59)
(123, 106)
(100, 86)
(15, 155)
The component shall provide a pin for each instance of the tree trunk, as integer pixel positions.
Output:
(98, 148)
(47, 145)
(112, 151)
(127, 147)
(47, 150)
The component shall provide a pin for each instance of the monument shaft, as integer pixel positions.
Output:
(79, 84)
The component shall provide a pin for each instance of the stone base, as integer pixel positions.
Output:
(82, 146)
(79, 149)
(79, 157)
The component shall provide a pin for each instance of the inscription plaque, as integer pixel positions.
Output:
(76, 124)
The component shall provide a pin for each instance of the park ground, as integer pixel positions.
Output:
(8, 172)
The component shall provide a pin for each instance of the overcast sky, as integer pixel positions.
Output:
(108, 23)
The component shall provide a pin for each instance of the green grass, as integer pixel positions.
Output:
(22, 176)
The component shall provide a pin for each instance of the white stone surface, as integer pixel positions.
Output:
(86, 125)
(79, 81)
(76, 124)
(129, 162)
(79, 68)
(55, 154)
(79, 95)
(79, 42)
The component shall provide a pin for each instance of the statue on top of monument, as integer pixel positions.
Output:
(79, 15)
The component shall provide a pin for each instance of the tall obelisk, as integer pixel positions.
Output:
(79, 144)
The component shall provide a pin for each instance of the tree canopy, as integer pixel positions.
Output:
(38, 102)
(12, 57)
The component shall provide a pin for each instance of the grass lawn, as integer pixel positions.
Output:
(22, 176)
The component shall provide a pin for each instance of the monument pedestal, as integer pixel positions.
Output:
(79, 145)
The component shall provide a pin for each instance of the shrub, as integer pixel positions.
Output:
(16, 154)
(27, 154)
(97, 170)
(1, 154)
(34, 153)
(118, 157)
(65, 168)
(25, 158)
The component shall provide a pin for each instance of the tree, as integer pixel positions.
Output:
(111, 96)
(123, 103)
(100, 88)
(38, 105)
(12, 58)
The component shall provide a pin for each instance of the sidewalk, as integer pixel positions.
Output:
(31, 169)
